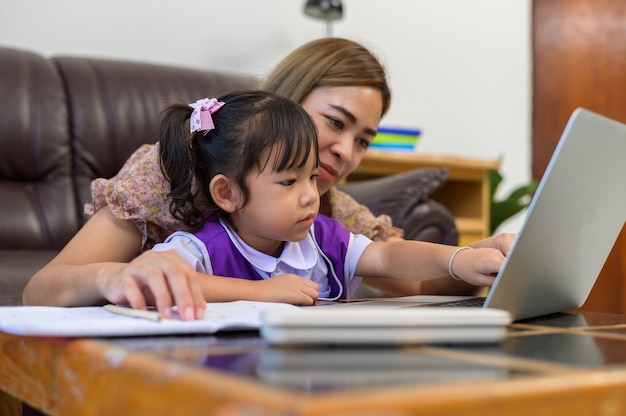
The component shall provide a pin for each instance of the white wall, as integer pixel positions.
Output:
(459, 70)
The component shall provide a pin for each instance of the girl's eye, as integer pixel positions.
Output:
(288, 182)
(314, 177)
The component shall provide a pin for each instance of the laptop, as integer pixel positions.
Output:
(571, 225)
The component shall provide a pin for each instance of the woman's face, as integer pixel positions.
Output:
(346, 120)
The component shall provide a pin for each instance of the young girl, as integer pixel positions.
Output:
(244, 183)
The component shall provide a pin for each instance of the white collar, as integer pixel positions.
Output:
(301, 255)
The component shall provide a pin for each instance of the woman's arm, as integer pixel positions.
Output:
(70, 278)
(102, 264)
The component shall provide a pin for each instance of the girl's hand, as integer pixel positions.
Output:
(289, 288)
(479, 266)
(163, 279)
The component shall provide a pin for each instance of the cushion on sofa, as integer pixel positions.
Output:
(405, 197)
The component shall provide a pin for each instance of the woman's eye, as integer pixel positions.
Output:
(363, 143)
(337, 123)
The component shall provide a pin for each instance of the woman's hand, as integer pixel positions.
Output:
(162, 279)
(502, 242)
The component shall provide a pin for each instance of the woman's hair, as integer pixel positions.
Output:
(249, 123)
(327, 62)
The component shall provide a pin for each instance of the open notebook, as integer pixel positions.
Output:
(96, 321)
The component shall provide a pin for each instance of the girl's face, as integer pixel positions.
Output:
(346, 119)
(281, 206)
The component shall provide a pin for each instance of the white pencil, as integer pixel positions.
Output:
(134, 313)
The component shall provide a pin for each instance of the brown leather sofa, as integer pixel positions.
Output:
(66, 120)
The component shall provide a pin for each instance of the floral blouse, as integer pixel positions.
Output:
(139, 192)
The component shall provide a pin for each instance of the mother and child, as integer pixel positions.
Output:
(250, 193)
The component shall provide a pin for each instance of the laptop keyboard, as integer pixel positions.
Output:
(465, 303)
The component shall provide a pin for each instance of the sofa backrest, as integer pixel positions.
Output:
(37, 201)
(114, 108)
(67, 120)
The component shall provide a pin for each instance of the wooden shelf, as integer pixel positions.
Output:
(465, 194)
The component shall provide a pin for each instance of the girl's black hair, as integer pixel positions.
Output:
(248, 123)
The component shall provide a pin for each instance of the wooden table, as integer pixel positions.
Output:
(466, 193)
(561, 364)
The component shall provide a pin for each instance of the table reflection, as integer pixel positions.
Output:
(322, 369)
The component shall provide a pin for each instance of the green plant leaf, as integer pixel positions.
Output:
(516, 201)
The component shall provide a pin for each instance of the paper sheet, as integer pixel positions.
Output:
(95, 321)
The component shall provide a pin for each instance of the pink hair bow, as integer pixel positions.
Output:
(201, 119)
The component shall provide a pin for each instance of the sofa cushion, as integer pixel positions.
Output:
(405, 197)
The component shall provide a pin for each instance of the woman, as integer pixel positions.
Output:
(344, 89)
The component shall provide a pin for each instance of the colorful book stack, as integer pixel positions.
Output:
(396, 139)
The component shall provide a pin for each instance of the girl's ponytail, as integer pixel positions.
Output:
(177, 161)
